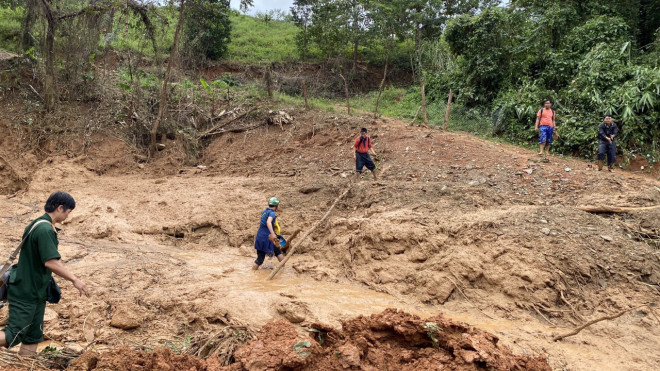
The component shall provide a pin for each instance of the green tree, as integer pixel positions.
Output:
(207, 28)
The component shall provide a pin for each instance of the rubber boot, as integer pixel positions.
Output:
(600, 165)
(375, 174)
(610, 168)
(358, 176)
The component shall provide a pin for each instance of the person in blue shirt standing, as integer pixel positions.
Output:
(267, 242)
(607, 131)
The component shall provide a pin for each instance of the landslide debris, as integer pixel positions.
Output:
(391, 340)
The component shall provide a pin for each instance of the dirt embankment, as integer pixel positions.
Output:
(390, 340)
(481, 231)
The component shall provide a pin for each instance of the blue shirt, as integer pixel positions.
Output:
(262, 242)
(263, 226)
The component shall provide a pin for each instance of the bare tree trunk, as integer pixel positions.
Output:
(448, 109)
(355, 54)
(348, 102)
(304, 88)
(162, 104)
(426, 119)
(28, 22)
(269, 83)
(49, 81)
(382, 82)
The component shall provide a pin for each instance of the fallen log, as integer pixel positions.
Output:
(615, 209)
(219, 129)
(293, 248)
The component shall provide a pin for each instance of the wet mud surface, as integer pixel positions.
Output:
(481, 232)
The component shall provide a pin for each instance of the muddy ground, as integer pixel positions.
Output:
(481, 232)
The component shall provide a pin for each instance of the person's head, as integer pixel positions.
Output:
(547, 103)
(59, 205)
(608, 119)
(273, 203)
(363, 132)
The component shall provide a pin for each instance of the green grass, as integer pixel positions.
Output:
(254, 40)
(403, 103)
(314, 103)
(10, 29)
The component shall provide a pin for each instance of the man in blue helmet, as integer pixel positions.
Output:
(267, 242)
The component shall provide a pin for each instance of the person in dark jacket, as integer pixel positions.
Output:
(607, 131)
(266, 242)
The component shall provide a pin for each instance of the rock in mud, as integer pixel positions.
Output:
(126, 317)
(293, 312)
(310, 189)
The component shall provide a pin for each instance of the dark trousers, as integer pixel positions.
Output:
(604, 147)
(261, 255)
(362, 160)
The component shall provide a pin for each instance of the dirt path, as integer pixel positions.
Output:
(167, 250)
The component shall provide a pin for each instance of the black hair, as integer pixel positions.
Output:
(363, 130)
(59, 198)
(608, 115)
(547, 100)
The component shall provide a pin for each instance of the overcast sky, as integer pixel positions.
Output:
(263, 5)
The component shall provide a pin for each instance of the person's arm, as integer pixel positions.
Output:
(601, 132)
(56, 266)
(269, 223)
(615, 131)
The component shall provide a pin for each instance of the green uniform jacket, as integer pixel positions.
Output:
(28, 282)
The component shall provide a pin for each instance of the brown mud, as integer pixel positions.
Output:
(482, 232)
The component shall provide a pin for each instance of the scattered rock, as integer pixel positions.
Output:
(310, 189)
(607, 238)
(545, 231)
(567, 169)
(529, 171)
(349, 355)
(50, 315)
(544, 221)
(294, 312)
(126, 317)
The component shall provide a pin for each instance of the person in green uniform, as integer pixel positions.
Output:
(28, 281)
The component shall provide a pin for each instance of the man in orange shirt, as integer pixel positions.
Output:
(545, 125)
(362, 148)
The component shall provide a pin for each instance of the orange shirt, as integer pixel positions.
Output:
(547, 119)
(362, 146)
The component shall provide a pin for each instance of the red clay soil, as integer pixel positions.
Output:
(391, 340)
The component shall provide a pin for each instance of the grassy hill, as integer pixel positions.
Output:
(255, 40)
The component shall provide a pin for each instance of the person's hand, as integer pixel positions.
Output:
(80, 285)
(609, 140)
(536, 128)
(273, 238)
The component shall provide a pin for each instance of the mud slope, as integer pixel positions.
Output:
(479, 231)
